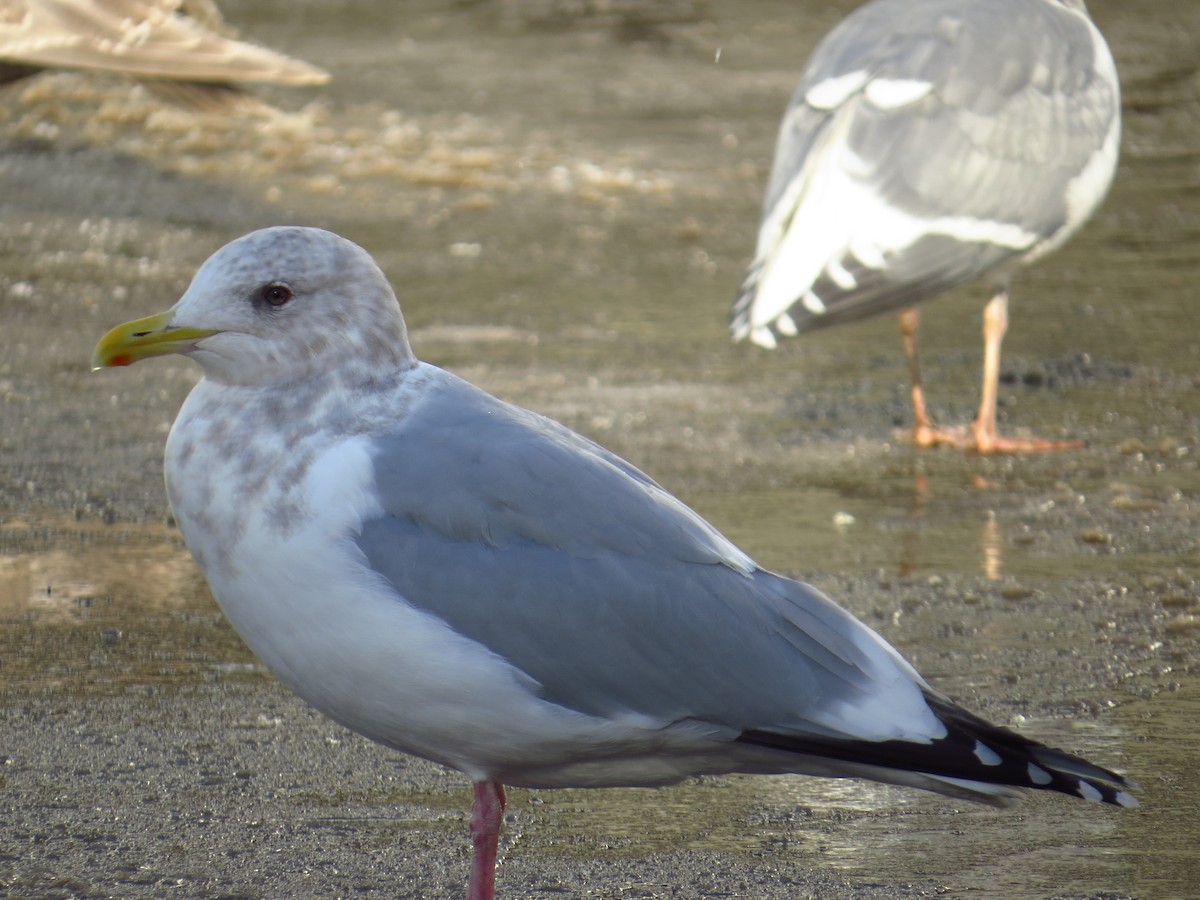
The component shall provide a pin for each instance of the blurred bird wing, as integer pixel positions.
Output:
(918, 153)
(140, 38)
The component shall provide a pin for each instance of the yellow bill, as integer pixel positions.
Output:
(144, 338)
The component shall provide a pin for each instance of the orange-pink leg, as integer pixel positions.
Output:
(925, 433)
(982, 437)
(487, 814)
(983, 429)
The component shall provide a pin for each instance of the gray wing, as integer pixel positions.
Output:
(1020, 102)
(609, 593)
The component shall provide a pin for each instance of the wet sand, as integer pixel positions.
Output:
(568, 233)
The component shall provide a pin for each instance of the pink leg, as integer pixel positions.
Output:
(995, 325)
(925, 433)
(987, 438)
(982, 437)
(487, 814)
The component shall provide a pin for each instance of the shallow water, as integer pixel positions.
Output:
(565, 202)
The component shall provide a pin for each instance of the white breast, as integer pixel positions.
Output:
(281, 562)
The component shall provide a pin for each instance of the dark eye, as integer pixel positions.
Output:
(276, 294)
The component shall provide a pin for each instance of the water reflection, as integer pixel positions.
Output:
(1160, 866)
(920, 535)
(873, 832)
(88, 606)
(992, 547)
(991, 540)
(69, 567)
(868, 831)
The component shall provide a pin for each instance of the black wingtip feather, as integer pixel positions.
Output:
(973, 750)
(739, 317)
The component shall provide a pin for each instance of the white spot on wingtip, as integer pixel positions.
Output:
(870, 252)
(892, 93)
(763, 337)
(841, 275)
(786, 325)
(833, 92)
(1087, 792)
(813, 303)
(1038, 775)
(1127, 800)
(986, 754)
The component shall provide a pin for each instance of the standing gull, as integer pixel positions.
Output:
(464, 580)
(931, 142)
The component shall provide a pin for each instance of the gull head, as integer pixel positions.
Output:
(273, 306)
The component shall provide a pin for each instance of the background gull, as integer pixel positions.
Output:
(466, 581)
(160, 40)
(930, 142)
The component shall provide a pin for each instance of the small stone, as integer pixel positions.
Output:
(1185, 623)
(1015, 592)
(1136, 503)
(1178, 600)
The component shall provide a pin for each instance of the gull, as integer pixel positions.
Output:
(157, 40)
(467, 581)
(931, 142)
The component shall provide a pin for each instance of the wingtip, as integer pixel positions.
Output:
(1127, 800)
